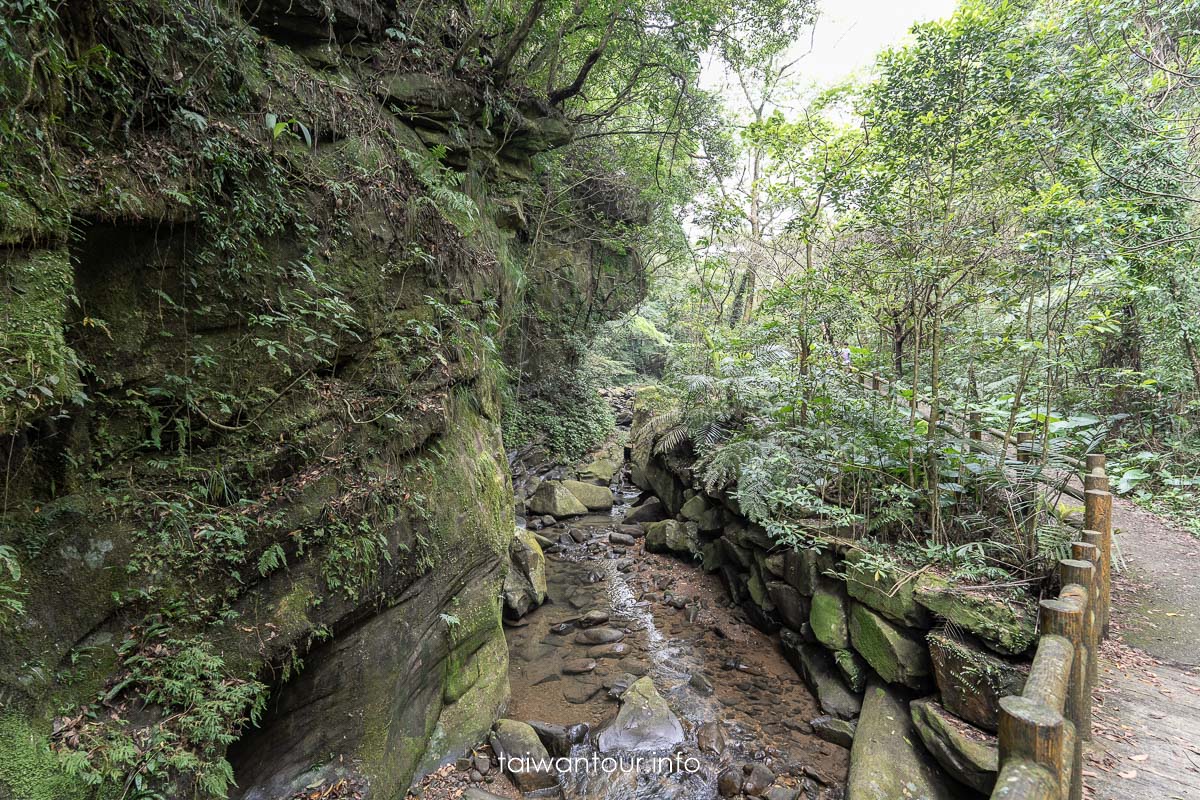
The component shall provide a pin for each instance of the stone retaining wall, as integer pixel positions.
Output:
(845, 622)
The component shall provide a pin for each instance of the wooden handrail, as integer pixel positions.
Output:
(1025, 447)
(1042, 730)
(878, 382)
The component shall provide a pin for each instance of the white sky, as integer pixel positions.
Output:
(849, 34)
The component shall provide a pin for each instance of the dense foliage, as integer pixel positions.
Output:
(1000, 221)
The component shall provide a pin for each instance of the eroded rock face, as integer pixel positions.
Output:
(253, 346)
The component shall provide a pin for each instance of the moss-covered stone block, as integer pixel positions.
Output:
(694, 508)
(1005, 623)
(791, 607)
(672, 536)
(735, 553)
(972, 680)
(898, 655)
(887, 761)
(829, 618)
(886, 589)
(970, 756)
(758, 590)
(815, 664)
(712, 555)
(600, 471)
(853, 668)
(800, 569)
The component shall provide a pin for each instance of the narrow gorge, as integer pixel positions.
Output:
(598, 400)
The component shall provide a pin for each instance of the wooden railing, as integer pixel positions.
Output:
(1042, 730)
(971, 432)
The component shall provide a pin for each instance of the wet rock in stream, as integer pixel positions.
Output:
(599, 636)
(645, 721)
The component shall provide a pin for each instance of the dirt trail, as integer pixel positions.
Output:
(1146, 741)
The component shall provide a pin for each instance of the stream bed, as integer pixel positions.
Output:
(738, 700)
(732, 717)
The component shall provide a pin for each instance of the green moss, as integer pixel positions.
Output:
(886, 589)
(30, 770)
(828, 616)
(895, 654)
(37, 367)
(1005, 623)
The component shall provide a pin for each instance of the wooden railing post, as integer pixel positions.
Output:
(1034, 732)
(1082, 570)
(1097, 516)
(875, 382)
(1094, 476)
(1066, 617)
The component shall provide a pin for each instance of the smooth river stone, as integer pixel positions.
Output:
(578, 666)
(614, 650)
(593, 618)
(599, 636)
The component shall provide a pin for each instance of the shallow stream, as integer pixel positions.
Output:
(737, 698)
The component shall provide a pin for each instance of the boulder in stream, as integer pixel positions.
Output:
(525, 583)
(551, 497)
(599, 636)
(650, 511)
(644, 722)
(600, 471)
(887, 761)
(596, 498)
(559, 739)
(523, 755)
(758, 779)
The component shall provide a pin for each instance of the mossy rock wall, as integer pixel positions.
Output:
(258, 265)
